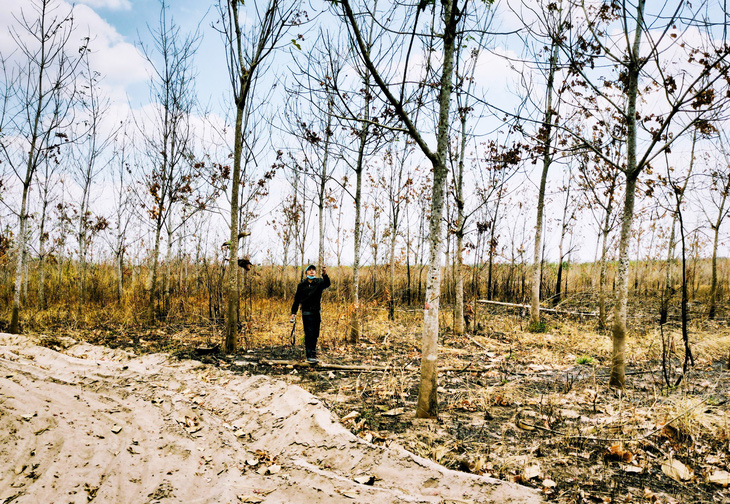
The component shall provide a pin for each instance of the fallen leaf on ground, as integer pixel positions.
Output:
(350, 416)
(394, 412)
(365, 480)
(524, 425)
(677, 470)
(274, 468)
(632, 469)
(721, 478)
(501, 401)
(531, 471)
(617, 453)
(252, 499)
(116, 428)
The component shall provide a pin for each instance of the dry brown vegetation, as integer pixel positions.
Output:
(526, 406)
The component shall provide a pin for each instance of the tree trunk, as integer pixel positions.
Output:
(391, 267)
(323, 185)
(547, 126)
(167, 272)
(713, 284)
(618, 362)
(42, 254)
(427, 405)
(120, 269)
(355, 329)
(618, 359)
(602, 316)
(154, 274)
(230, 344)
(20, 262)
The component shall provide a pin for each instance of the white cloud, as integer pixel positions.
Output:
(119, 62)
(107, 4)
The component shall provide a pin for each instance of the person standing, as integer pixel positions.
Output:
(309, 296)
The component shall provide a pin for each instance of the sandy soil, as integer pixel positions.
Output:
(85, 423)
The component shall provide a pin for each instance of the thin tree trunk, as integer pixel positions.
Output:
(42, 253)
(391, 296)
(715, 242)
(20, 261)
(427, 405)
(618, 364)
(355, 328)
(547, 126)
(602, 316)
(230, 343)
(323, 186)
(618, 359)
(154, 274)
(355, 324)
(120, 269)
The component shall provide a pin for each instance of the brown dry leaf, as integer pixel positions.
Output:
(718, 477)
(617, 453)
(677, 470)
(116, 428)
(524, 425)
(501, 401)
(394, 412)
(274, 468)
(351, 495)
(20, 468)
(251, 499)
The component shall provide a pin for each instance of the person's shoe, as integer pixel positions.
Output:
(312, 360)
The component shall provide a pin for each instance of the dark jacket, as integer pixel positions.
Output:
(309, 295)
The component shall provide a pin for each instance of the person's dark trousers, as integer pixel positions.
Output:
(311, 322)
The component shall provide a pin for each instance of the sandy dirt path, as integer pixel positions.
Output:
(91, 424)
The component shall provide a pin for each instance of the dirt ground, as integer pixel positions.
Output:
(535, 409)
(531, 410)
(83, 423)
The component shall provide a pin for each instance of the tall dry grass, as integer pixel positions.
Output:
(195, 294)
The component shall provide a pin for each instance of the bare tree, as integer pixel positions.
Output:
(548, 32)
(41, 108)
(168, 136)
(720, 188)
(91, 143)
(123, 200)
(653, 55)
(245, 54)
(451, 18)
